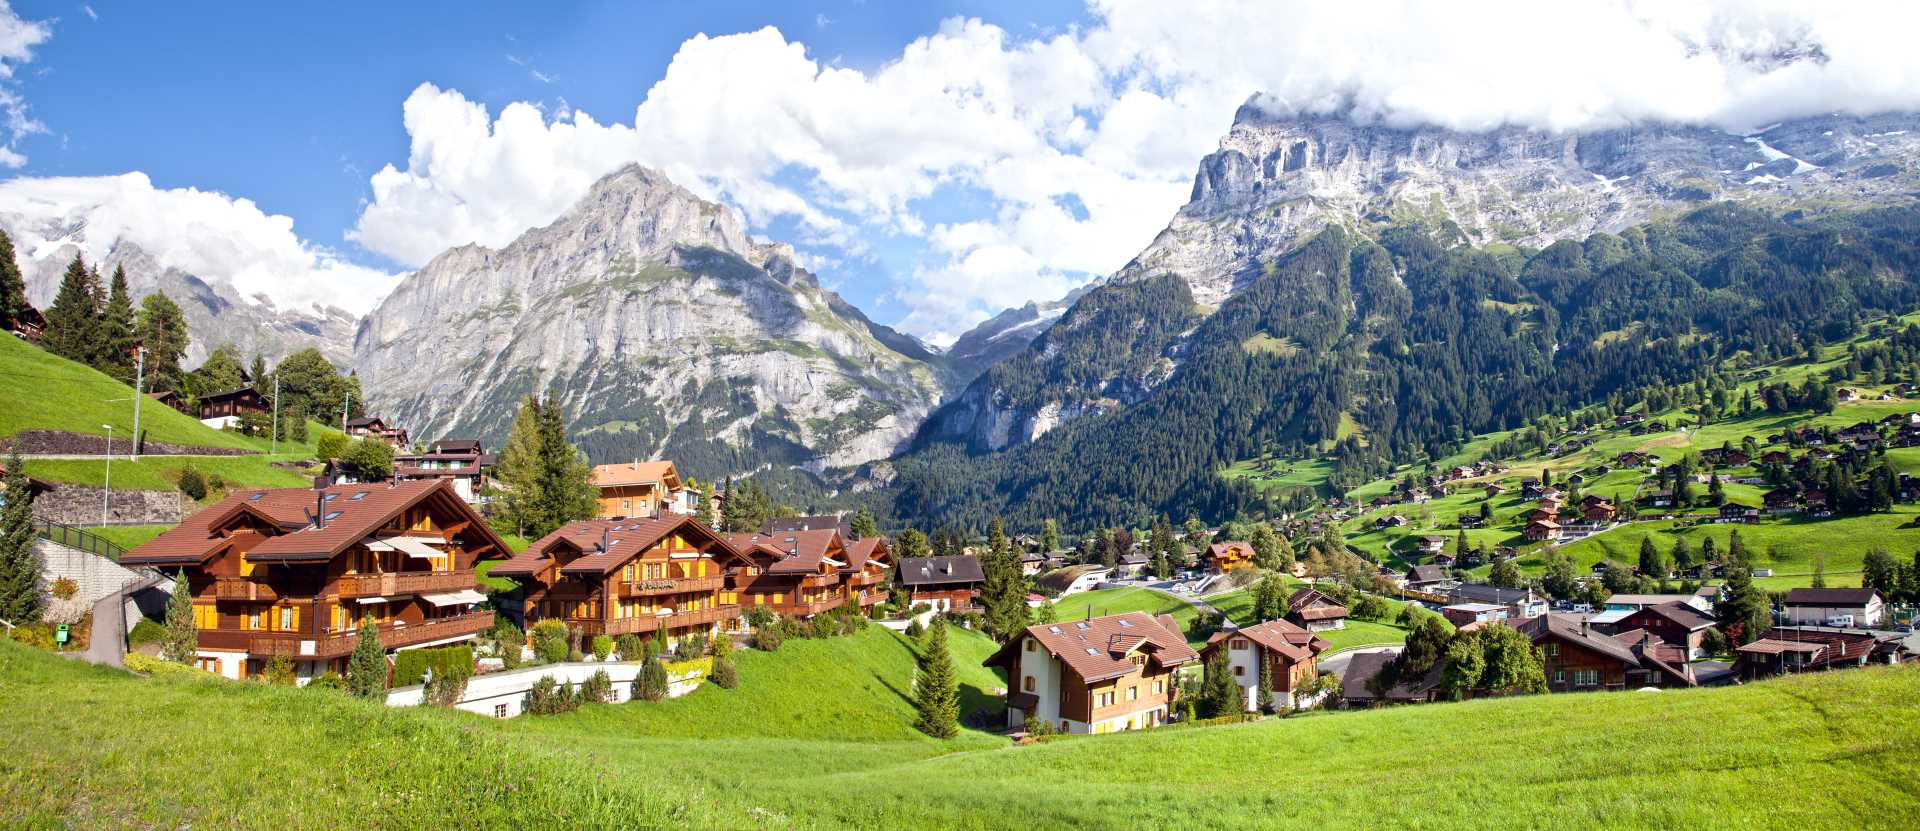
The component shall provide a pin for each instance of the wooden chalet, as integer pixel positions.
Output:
(223, 409)
(665, 577)
(293, 572)
(1098, 675)
(1786, 649)
(637, 489)
(1542, 529)
(374, 427)
(171, 400)
(1579, 658)
(867, 572)
(947, 583)
(785, 525)
(1312, 611)
(1673, 623)
(29, 325)
(1223, 557)
(463, 462)
(798, 574)
(1287, 650)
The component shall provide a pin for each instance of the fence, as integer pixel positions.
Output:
(77, 539)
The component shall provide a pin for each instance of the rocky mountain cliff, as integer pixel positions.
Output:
(216, 313)
(661, 327)
(1278, 179)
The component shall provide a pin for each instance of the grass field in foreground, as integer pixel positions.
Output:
(1116, 601)
(94, 748)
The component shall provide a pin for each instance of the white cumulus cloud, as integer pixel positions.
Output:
(1083, 143)
(18, 37)
(211, 235)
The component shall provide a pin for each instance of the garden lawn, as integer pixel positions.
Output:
(1793, 753)
(128, 536)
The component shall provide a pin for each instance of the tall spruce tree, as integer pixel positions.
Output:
(519, 470)
(117, 330)
(936, 691)
(1049, 536)
(163, 331)
(182, 639)
(1004, 591)
(13, 286)
(1747, 611)
(367, 667)
(73, 320)
(570, 492)
(1219, 694)
(21, 573)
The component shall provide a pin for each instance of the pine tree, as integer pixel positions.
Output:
(117, 331)
(1747, 611)
(367, 667)
(936, 692)
(72, 320)
(1049, 536)
(21, 571)
(863, 525)
(1219, 694)
(1263, 701)
(910, 544)
(1004, 591)
(163, 331)
(182, 640)
(651, 684)
(569, 481)
(520, 470)
(13, 286)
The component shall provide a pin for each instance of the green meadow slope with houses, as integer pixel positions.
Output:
(236, 595)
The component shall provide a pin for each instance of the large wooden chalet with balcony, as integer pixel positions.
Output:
(664, 577)
(805, 573)
(293, 572)
(1099, 675)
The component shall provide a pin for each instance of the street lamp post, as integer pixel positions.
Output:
(107, 486)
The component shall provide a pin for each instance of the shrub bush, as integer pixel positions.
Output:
(549, 697)
(445, 689)
(192, 483)
(550, 641)
(598, 689)
(760, 617)
(602, 647)
(914, 629)
(63, 588)
(149, 665)
(36, 635)
(145, 631)
(630, 648)
(279, 672)
(724, 674)
(651, 683)
(722, 645)
(330, 445)
(769, 639)
(576, 656)
(410, 665)
(691, 646)
(328, 680)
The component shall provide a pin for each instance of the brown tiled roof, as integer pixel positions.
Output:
(784, 525)
(798, 552)
(1097, 649)
(862, 550)
(352, 513)
(1224, 549)
(955, 568)
(635, 473)
(1426, 574)
(1769, 646)
(1281, 636)
(625, 539)
(1679, 613)
(1310, 604)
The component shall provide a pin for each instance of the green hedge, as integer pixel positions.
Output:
(410, 665)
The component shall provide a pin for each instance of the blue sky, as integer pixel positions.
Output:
(294, 107)
(935, 162)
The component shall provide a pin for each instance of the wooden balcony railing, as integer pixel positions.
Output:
(301, 645)
(671, 585)
(655, 623)
(863, 579)
(404, 582)
(808, 608)
(820, 580)
(243, 588)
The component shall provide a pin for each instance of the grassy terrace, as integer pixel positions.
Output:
(817, 737)
(1238, 605)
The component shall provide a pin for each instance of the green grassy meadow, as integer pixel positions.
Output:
(1237, 605)
(818, 736)
(1115, 601)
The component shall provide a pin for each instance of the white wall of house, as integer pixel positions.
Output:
(1044, 669)
(1870, 615)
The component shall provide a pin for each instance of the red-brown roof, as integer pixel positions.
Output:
(351, 514)
(871, 548)
(793, 552)
(1097, 649)
(625, 539)
(636, 473)
(1286, 638)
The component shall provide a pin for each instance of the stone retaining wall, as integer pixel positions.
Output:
(60, 443)
(79, 505)
(97, 577)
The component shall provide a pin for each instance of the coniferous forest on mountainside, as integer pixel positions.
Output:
(1394, 350)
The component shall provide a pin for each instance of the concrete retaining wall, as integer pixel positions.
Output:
(502, 694)
(98, 577)
(79, 505)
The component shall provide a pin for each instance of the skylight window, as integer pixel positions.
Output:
(1126, 623)
(256, 496)
(1081, 625)
(359, 496)
(1092, 651)
(1054, 629)
(330, 497)
(333, 515)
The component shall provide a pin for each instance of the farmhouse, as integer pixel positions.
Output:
(1307, 608)
(1099, 675)
(1463, 614)
(1287, 651)
(947, 583)
(461, 462)
(1678, 624)
(663, 577)
(1426, 577)
(374, 427)
(638, 489)
(1519, 603)
(1223, 557)
(1805, 648)
(797, 574)
(868, 561)
(221, 410)
(1817, 607)
(1578, 658)
(293, 572)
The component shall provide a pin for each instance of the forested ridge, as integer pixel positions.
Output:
(1397, 349)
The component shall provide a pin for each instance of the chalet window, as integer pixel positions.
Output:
(1239, 670)
(1027, 684)
(1030, 645)
(1239, 643)
(1559, 676)
(499, 711)
(1159, 686)
(1133, 693)
(204, 616)
(209, 664)
(1553, 650)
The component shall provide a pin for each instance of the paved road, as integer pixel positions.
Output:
(1338, 663)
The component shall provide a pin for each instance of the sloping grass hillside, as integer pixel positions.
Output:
(94, 748)
(1116, 601)
(47, 392)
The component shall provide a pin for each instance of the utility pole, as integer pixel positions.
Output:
(139, 379)
(107, 486)
(274, 446)
(344, 403)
